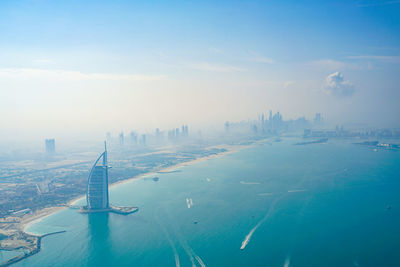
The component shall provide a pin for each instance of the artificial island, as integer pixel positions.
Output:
(97, 198)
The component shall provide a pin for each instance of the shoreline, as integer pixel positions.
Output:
(30, 219)
(37, 217)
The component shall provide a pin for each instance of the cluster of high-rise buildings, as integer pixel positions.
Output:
(272, 124)
(50, 145)
(157, 138)
(176, 134)
(133, 139)
(341, 132)
(97, 186)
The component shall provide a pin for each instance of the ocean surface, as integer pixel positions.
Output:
(334, 204)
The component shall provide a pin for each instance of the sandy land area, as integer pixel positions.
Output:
(37, 216)
(18, 226)
(229, 148)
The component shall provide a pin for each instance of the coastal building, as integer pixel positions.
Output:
(97, 186)
(97, 189)
(134, 138)
(121, 139)
(185, 131)
(143, 140)
(21, 212)
(318, 120)
(50, 146)
(108, 137)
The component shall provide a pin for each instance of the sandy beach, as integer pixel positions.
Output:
(19, 229)
(229, 149)
(39, 215)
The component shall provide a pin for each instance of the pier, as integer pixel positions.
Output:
(32, 251)
(114, 209)
(97, 198)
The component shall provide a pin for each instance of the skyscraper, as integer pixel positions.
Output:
(318, 120)
(108, 137)
(133, 138)
(226, 126)
(185, 131)
(97, 189)
(97, 186)
(50, 146)
(143, 139)
(121, 138)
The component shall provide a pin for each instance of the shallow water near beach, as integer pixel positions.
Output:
(272, 204)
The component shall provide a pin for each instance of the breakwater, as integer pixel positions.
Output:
(32, 251)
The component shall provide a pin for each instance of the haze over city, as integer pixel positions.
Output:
(80, 68)
(199, 133)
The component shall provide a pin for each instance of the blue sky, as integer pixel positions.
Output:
(141, 65)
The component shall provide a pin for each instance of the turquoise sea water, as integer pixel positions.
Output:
(5, 255)
(313, 205)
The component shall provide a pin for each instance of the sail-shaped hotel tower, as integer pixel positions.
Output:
(97, 186)
(97, 189)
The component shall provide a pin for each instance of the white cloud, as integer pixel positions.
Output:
(328, 64)
(255, 57)
(42, 60)
(215, 50)
(336, 85)
(68, 75)
(286, 84)
(334, 65)
(262, 59)
(214, 67)
(377, 3)
(388, 59)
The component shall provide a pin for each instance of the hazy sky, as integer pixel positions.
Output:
(85, 66)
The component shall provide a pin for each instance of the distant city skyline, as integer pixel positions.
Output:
(79, 68)
(226, 133)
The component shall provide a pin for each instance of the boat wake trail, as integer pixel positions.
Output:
(189, 202)
(243, 182)
(297, 190)
(200, 261)
(265, 194)
(176, 255)
(246, 240)
(287, 261)
(177, 263)
(189, 251)
(248, 236)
